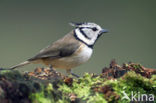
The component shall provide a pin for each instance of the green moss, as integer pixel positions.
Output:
(130, 82)
(133, 82)
(97, 98)
(83, 88)
(11, 75)
(89, 88)
(44, 96)
(137, 66)
(47, 94)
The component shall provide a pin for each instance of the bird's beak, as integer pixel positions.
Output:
(103, 31)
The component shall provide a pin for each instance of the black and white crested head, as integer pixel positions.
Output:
(88, 33)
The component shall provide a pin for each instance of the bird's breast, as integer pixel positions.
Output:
(83, 53)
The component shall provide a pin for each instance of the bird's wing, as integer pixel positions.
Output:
(57, 50)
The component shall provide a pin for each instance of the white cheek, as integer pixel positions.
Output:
(83, 38)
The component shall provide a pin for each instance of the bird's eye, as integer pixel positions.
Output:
(94, 29)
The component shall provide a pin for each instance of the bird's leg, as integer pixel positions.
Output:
(69, 72)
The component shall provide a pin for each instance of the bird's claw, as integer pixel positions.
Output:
(75, 75)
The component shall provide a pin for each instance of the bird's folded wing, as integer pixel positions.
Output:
(56, 51)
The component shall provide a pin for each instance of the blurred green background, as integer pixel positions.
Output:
(27, 26)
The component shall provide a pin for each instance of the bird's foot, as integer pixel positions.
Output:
(69, 72)
(75, 75)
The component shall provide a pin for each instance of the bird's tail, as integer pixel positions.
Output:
(20, 65)
(16, 66)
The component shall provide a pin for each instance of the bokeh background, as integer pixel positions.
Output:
(27, 26)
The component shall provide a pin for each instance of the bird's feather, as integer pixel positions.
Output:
(61, 48)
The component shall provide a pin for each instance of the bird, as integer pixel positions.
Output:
(70, 51)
